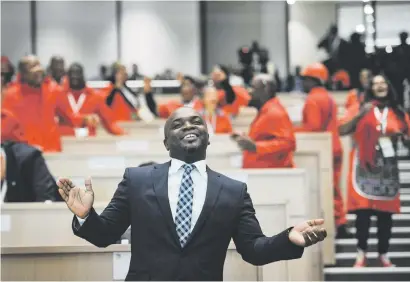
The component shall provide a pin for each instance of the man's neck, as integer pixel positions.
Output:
(189, 159)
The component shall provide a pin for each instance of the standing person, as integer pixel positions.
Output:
(83, 100)
(271, 140)
(357, 95)
(320, 115)
(180, 225)
(35, 104)
(376, 126)
(122, 100)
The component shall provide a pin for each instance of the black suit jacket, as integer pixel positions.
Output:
(142, 201)
(28, 178)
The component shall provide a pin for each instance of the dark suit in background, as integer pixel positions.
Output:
(28, 178)
(141, 201)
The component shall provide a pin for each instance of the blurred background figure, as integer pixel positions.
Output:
(83, 100)
(135, 73)
(56, 69)
(24, 175)
(320, 115)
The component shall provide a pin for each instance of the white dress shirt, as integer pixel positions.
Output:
(200, 180)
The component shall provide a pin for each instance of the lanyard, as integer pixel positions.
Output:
(382, 118)
(76, 106)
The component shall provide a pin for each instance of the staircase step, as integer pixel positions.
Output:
(404, 176)
(397, 232)
(349, 245)
(399, 220)
(404, 191)
(400, 259)
(367, 274)
(405, 210)
(404, 165)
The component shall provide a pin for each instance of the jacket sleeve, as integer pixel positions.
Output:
(42, 182)
(107, 120)
(105, 229)
(281, 137)
(152, 105)
(253, 245)
(312, 119)
(63, 108)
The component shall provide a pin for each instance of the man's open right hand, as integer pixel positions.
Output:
(78, 200)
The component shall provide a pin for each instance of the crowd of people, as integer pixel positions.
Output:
(40, 107)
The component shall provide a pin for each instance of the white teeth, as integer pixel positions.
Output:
(190, 136)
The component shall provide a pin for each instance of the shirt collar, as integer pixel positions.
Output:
(177, 164)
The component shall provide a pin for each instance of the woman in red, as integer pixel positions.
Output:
(122, 100)
(376, 125)
(218, 121)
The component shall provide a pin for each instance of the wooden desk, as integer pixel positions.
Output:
(54, 253)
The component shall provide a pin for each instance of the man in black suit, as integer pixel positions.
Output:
(183, 214)
(24, 175)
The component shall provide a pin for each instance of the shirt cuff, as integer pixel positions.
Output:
(81, 220)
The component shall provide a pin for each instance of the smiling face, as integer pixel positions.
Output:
(380, 87)
(186, 135)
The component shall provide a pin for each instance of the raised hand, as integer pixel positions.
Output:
(78, 200)
(147, 85)
(308, 233)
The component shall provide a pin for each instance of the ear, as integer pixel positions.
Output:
(166, 144)
(209, 142)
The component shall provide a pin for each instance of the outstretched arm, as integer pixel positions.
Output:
(258, 249)
(100, 230)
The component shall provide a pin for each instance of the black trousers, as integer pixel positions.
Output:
(384, 226)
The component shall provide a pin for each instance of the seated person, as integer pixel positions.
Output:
(83, 100)
(217, 120)
(24, 175)
(189, 98)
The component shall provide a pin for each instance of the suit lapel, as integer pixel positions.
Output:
(160, 179)
(212, 192)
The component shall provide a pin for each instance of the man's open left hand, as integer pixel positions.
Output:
(308, 233)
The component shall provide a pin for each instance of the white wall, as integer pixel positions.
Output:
(82, 31)
(159, 35)
(309, 21)
(349, 17)
(391, 19)
(231, 25)
(15, 30)
(273, 33)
